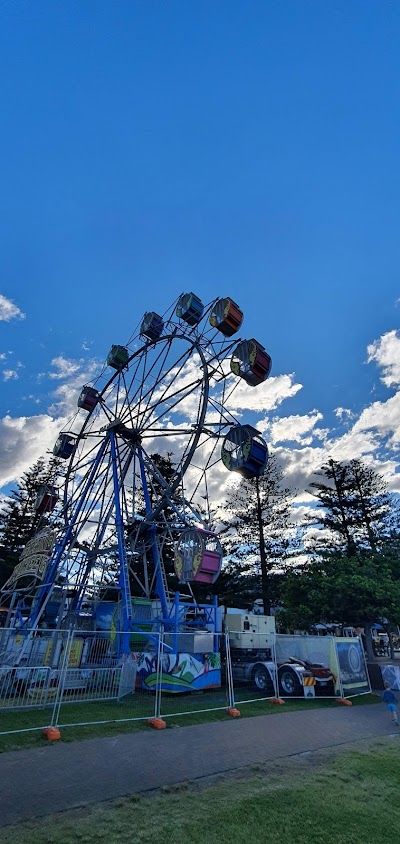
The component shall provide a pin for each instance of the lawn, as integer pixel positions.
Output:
(348, 799)
(114, 713)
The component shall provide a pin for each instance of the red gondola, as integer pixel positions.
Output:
(46, 499)
(251, 362)
(226, 316)
(88, 398)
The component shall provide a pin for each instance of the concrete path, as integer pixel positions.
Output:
(41, 781)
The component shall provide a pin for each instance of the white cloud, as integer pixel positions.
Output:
(299, 429)
(386, 353)
(10, 375)
(8, 310)
(266, 397)
(22, 441)
(343, 413)
(65, 367)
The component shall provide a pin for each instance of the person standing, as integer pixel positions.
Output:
(391, 702)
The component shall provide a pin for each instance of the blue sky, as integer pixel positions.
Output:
(232, 148)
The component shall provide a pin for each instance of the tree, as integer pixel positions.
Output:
(353, 578)
(353, 506)
(19, 520)
(349, 591)
(257, 536)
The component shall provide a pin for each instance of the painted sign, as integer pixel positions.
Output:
(181, 672)
(34, 557)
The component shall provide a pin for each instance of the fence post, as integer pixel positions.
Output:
(62, 679)
(156, 721)
(275, 661)
(231, 692)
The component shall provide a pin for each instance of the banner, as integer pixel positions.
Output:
(352, 666)
(391, 674)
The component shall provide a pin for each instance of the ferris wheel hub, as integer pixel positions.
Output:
(130, 435)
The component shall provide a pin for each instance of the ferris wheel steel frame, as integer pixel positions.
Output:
(133, 404)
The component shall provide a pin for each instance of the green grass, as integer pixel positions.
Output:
(348, 799)
(142, 707)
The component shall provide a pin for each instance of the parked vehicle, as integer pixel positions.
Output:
(251, 638)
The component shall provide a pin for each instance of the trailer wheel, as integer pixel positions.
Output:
(289, 683)
(262, 679)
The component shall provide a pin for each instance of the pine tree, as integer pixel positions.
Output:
(257, 534)
(19, 520)
(353, 506)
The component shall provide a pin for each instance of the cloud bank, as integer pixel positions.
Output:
(302, 442)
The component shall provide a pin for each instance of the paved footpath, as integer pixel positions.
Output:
(38, 782)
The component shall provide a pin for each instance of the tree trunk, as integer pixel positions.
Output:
(368, 642)
(263, 556)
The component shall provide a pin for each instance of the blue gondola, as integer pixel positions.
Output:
(190, 308)
(152, 326)
(244, 451)
(65, 446)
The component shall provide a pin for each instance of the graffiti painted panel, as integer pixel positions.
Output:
(181, 672)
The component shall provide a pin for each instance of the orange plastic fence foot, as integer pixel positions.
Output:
(51, 733)
(343, 701)
(157, 723)
(277, 700)
(233, 712)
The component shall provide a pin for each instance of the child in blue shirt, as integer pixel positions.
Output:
(391, 702)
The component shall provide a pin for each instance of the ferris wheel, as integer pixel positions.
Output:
(163, 400)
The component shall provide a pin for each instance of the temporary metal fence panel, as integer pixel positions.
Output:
(254, 675)
(307, 667)
(29, 678)
(29, 668)
(193, 674)
(105, 685)
(31, 648)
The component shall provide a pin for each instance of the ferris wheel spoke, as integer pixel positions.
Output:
(161, 360)
(166, 432)
(177, 371)
(204, 470)
(183, 393)
(146, 374)
(76, 492)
